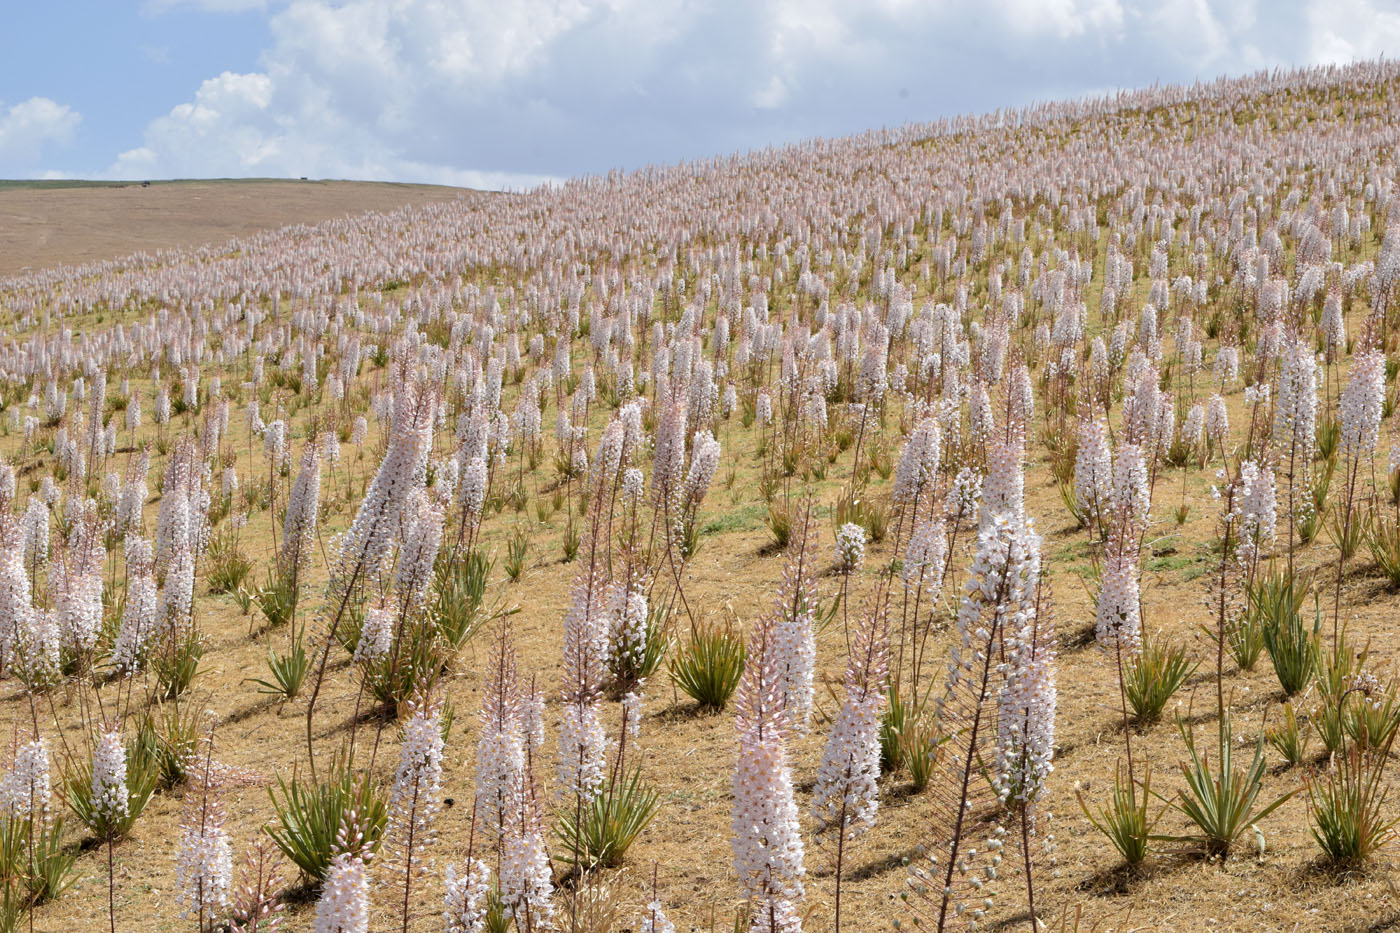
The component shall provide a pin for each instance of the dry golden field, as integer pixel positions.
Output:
(42, 226)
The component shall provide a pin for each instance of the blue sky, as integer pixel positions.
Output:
(494, 93)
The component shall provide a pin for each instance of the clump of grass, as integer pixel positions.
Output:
(1312, 513)
(177, 664)
(1371, 713)
(593, 904)
(1071, 502)
(1290, 737)
(708, 667)
(1383, 541)
(688, 541)
(636, 656)
(1222, 803)
(898, 718)
(1154, 676)
(1291, 643)
(1345, 808)
(791, 459)
(920, 745)
(1182, 451)
(314, 820)
(779, 521)
(1346, 535)
(516, 551)
(288, 671)
(877, 521)
(573, 536)
(599, 834)
(518, 497)
(34, 865)
(881, 460)
(228, 565)
(909, 739)
(866, 513)
(1127, 821)
(1329, 436)
(50, 864)
(168, 739)
(460, 585)
(413, 667)
(1245, 641)
(277, 599)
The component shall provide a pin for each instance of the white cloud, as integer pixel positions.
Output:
(1193, 30)
(28, 127)
(500, 92)
(771, 95)
(1064, 19)
(348, 86)
(218, 129)
(232, 128)
(1349, 30)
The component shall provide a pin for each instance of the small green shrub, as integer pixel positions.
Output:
(1222, 803)
(1290, 737)
(1344, 808)
(1154, 675)
(1127, 821)
(709, 666)
(288, 671)
(599, 834)
(310, 818)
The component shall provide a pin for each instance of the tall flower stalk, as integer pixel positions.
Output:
(1361, 404)
(765, 836)
(369, 537)
(1295, 425)
(847, 796)
(413, 800)
(998, 592)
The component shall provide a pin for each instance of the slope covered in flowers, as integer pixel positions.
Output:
(982, 472)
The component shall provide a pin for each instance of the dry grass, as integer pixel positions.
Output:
(688, 755)
(48, 226)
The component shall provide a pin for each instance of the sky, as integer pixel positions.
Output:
(512, 93)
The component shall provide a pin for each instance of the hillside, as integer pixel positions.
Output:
(1016, 459)
(68, 223)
